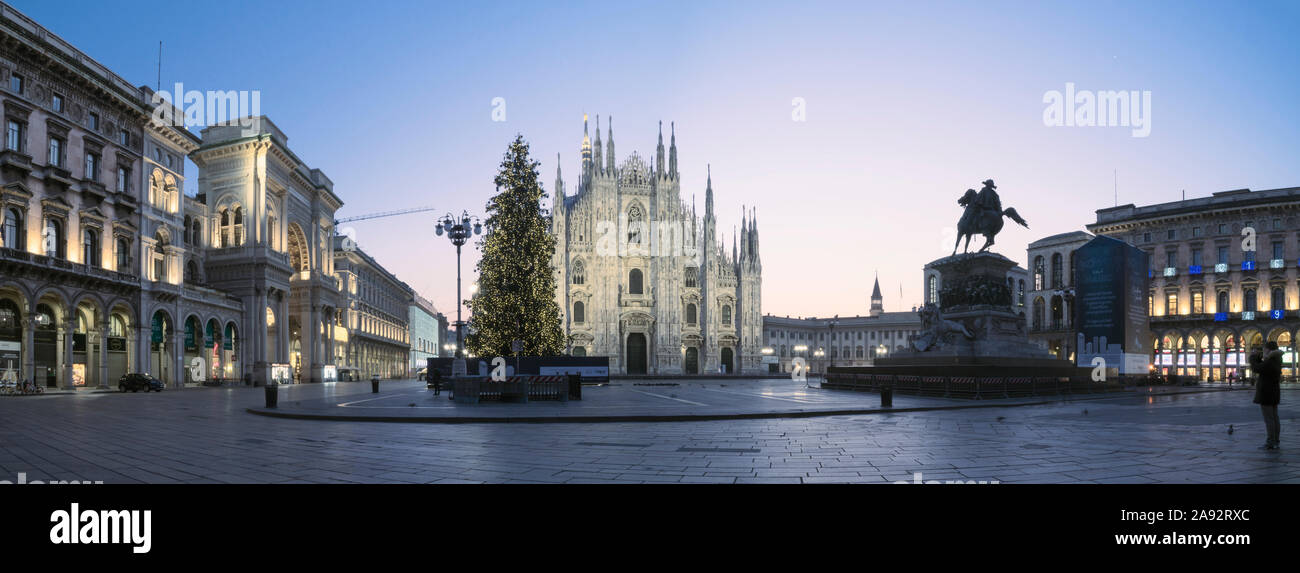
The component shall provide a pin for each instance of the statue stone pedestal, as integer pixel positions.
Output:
(975, 329)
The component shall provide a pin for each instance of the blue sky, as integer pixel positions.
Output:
(908, 104)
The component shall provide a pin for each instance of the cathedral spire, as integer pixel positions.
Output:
(708, 194)
(659, 151)
(595, 159)
(559, 180)
(672, 151)
(586, 154)
(609, 148)
(744, 233)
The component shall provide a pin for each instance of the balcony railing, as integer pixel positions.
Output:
(44, 261)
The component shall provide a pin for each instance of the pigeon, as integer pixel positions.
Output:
(1085, 411)
(1000, 418)
(1229, 429)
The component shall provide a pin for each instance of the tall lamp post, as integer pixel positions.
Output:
(1067, 299)
(459, 230)
(833, 322)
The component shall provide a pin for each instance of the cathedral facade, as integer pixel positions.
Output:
(643, 279)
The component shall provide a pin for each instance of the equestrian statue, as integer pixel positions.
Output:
(983, 216)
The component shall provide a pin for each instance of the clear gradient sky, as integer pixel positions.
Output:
(908, 104)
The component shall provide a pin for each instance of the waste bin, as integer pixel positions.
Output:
(575, 386)
(272, 395)
(374, 385)
(887, 396)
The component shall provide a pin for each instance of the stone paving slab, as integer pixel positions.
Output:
(206, 435)
(693, 400)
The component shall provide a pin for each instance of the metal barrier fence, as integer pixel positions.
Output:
(982, 387)
(513, 389)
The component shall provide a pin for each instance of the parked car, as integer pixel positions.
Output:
(137, 381)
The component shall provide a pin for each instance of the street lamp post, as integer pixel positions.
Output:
(459, 231)
(833, 322)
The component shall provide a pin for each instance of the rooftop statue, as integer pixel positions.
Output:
(983, 216)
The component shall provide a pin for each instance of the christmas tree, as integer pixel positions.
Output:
(516, 284)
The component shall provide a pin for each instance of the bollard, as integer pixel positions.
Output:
(374, 384)
(272, 395)
(886, 396)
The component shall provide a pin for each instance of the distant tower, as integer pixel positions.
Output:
(877, 303)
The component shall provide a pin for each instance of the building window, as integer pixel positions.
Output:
(1198, 303)
(1222, 304)
(1040, 282)
(690, 313)
(92, 166)
(1249, 300)
(1277, 224)
(692, 277)
(53, 238)
(1022, 292)
(14, 231)
(579, 273)
(634, 282)
(94, 121)
(1279, 299)
(932, 290)
(1171, 259)
(169, 161)
(1196, 231)
(1057, 269)
(123, 255)
(90, 248)
(16, 136)
(1171, 304)
(1196, 257)
(124, 138)
(1172, 234)
(1223, 255)
(56, 103)
(16, 84)
(157, 155)
(239, 226)
(56, 152)
(1277, 249)
(123, 178)
(1146, 237)
(579, 315)
(726, 315)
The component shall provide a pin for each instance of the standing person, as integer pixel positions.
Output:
(1268, 393)
(437, 382)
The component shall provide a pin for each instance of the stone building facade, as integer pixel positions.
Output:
(96, 234)
(271, 243)
(428, 332)
(1051, 292)
(839, 340)
(376, 315)
(643, 279)
(1224, 276)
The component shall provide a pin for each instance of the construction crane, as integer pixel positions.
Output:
(383, 214)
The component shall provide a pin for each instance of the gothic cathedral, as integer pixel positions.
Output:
(643, 279)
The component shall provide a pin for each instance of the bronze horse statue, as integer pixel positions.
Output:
(983, 216)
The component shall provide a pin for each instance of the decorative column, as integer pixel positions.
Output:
(282, 330)
(178, 353)
(313, 358)
(65, 360)
(29, 350)
(103, 355)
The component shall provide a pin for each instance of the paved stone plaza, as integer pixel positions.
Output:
(208, 436)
